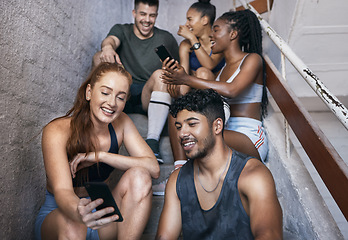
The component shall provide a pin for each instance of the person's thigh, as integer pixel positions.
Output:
(154, 83)
(51, 223)
(205, 73)
(133, 104)
(241, 143)
(133, 186)
(56, 224)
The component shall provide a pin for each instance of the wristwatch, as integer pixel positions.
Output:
(196, 46)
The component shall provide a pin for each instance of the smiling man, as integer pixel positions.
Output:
(219, 193)
(133, 46)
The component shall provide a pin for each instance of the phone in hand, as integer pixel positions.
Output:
(163, 53)
(101, 190)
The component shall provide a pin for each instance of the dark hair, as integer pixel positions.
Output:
(148, 2)
(81, 139)
(206, 9)
(249, 31)
(204, 101)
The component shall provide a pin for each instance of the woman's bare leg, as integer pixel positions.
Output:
(241, 143)
(133, 195)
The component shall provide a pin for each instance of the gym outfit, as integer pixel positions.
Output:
(98, 172)
(252, 128)
(227, 219)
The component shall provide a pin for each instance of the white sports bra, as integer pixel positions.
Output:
(253, 94)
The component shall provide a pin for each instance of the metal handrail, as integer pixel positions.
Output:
(340, 111)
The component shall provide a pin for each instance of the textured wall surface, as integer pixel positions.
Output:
(46, 49)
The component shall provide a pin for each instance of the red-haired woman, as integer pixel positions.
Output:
(83, 146)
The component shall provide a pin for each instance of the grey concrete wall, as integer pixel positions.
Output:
(46, 49)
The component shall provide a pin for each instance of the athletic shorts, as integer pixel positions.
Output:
(133, 104)
(253, 129)
(48, 206)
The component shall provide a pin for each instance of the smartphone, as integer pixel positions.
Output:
(163, 53)
(101, 190)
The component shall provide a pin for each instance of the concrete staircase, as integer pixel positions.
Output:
(338, 137)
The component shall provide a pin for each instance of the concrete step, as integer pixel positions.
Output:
(151, 227)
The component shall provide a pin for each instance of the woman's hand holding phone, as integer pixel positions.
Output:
(95, 220)
(173, 73)
(104, 203)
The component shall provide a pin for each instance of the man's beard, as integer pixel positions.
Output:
(139, 25)
(208, 144)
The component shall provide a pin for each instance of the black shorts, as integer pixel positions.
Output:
(133, 104)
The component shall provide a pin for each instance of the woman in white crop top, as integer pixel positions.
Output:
(237, 35)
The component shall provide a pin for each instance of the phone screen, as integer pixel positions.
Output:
(163, 53)
(101, 190)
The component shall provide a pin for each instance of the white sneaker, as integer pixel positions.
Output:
(159, 189)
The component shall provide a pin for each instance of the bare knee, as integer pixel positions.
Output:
(204, 73)
(156, 81)
(74, 231)
(139, 183)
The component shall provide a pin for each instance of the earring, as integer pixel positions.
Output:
(87, 98)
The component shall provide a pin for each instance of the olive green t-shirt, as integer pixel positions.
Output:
(138, 56)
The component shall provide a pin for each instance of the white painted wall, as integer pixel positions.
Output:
(317, 31)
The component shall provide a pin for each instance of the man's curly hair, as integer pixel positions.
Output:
(206, 102)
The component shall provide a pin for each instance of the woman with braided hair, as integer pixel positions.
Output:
(237, 35)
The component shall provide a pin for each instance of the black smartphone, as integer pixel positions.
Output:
(163, 53)
(101, 190)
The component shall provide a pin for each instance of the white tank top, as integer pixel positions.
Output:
(253, 94)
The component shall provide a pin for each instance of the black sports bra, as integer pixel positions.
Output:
(99, 172)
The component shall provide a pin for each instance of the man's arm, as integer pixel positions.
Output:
(169, 226)
(108, 49)
(257, 190)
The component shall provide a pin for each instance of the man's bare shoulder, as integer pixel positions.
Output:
(171, 184)
(173, 176)
(254, 165)
(255, 175)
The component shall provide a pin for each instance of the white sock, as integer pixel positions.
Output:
(157, 113)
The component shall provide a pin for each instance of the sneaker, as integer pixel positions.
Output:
(158, 189)
(159, 158)
(154, 145)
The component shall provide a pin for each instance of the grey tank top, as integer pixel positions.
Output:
(227, 219)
